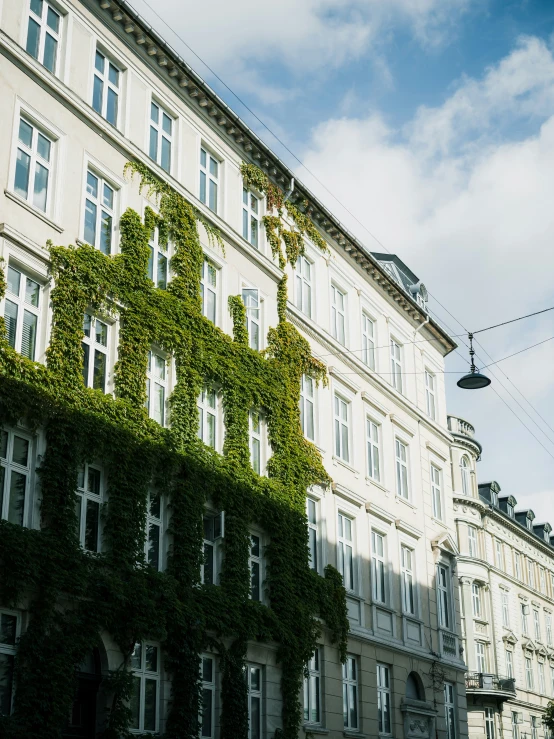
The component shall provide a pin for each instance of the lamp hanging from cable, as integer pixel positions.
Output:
(474, 380)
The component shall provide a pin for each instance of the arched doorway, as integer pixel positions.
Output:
(83, 717)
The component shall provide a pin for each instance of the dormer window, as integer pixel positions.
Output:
(546, 536)
(510, 510)
(530, 524)
(494, 498)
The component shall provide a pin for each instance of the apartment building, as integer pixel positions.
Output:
(87, 87)
(506, 574)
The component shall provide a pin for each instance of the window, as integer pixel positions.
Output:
(505, 609)
(465, 471)
(33, 165)
(8, 640)
(529, 681)
(350, 692)
(378, 576)
(436, 492)
(342, 428)
(494, 497)
(345, 551)
(21, 312)
(489, 723)
(255, 565)
(254, 683)
(517, 561)
(207, 417)
(368, 341)
(472, 541)
(480, 656)
(90, 490)
(524, 622)
(312, 689)
(95, 352)
(402, 488)
(207, 715)
(535, 725)
(255, 440)
(307, 407)
(161, 136)
(510, 510)
(105, 91)
(384, 699)
(430, 400)
(373, 452)
(157, 261)
(542, 580)
(156, 387)
(338, 307)
(43, 34)
(476, 599)
(146, 687)
(209, 179)
(531, 573)
(303, 285)
(537, 625)
(408, 594)
(542, 680)
(153, 545)
(396, 365)
(443, 586)
(548, 620)
(499, 555)
(251, 300)
(208, 290)
(313, 533)
(251, 206)
(213, 537)
(15, 474)
(99, 213)
(529, 522)
(515, 725)
(509, 663)
(450, 710)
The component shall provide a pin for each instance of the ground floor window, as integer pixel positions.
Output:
(145, 663)
(489, 723)
(8, 635)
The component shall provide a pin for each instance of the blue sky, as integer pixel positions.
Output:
(433, 122)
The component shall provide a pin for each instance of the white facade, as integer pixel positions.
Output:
(104, 90)
(506, 572)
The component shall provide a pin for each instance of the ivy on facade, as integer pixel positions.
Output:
(73, 596)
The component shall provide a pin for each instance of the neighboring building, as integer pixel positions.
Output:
(506, 574)
(86, 87)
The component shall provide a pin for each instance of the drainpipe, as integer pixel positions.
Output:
(421, 325)
(289, 191)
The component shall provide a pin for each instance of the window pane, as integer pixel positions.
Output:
(99, 376)
(113, 75)
(10, 318)
(135, 703)
(21, 184)
(213, 167)
(14, 281)
(92, 515)
(166, 123)
(151, 264)
(90, 223)
(151, 658)
(153, 151)
(162, 272)
(86, 356)
(40, 193)
(97, 94)
(3, 443)
(99, 62)
(33, 36)
(154, 546)
(166, 154)
(255, 581)
(207, 712)
(106, 233)
(107, 197)
(50, 50)
(203, 187)
(208, 564)
(16, 500)
(29, 335)
(111, 107)
(255, 718)
(101, 333)
(213, 196)
(53, 20)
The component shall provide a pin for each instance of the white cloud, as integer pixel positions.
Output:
(468, 204)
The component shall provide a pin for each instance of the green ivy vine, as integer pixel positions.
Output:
(71, 596)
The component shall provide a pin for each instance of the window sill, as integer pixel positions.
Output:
(371, 481)
(338, 460)
(315, 729)
(440, 522)
(35, 211)
(400, 499)
(353, 734)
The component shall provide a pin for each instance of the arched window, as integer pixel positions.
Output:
(466, 475)
(414, 687)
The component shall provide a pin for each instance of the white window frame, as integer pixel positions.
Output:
(346, 551)
(535, 725)
(531, 573)
(93, 347)
(307, 406)
(255, 696)
(312, 514)
(159, 255)
(208, 413)
(208, 688)
(35, 160)
(444, 596)
(548, 622)
(338, 314)
(303, 286)
(206, 175)
(537, 624)
(396, 356)
(107, 85)
(45, 29)
(350, 697)
(509, 656)
(542, 580)
(517, 566)
(342, 424)
(255, 560)
(499, 554)
(524, 619)
(368, 340)
(465, 473)
(161, 134)
(505, 602)
(409, 581)
(542, 678)
(312, 689)
(156, 382)
(9, 650)
(529, 674)
(103, 210)
(86, 496)
(12, 468)
(252, 205)
(430, 394)
(490, 728)
(450, 711)
(384, 700)
(436, 492)
(23, 307)
(253, 305)
(402, 465)
(476, 599)
(144, 675)
(213, 526)
(373, 448)
(515, 725)
(256, 437)
(154, 522)
(379, 574)
(209, 288)
(472, 541)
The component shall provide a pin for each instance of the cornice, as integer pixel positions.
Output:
(148, 45)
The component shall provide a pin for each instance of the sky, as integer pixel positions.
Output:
(427, 127)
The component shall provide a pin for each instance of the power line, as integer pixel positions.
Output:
(505, 323)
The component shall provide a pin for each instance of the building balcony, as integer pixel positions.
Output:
(460, 426)
(493, 686)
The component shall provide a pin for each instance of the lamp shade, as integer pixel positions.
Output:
(473, 381)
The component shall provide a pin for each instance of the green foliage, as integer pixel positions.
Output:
(75, 596)
(548, 716)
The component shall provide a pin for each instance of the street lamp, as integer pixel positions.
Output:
(474, 380)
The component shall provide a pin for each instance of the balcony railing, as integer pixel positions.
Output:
(484, 682)
(460, 426)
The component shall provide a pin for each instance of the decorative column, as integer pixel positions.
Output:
(466, 584)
